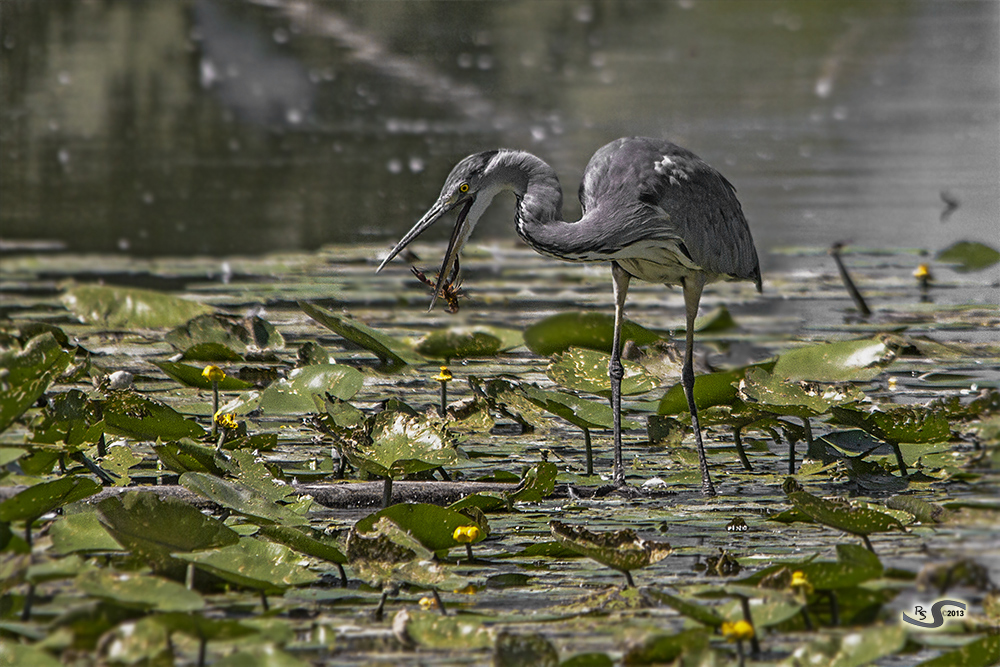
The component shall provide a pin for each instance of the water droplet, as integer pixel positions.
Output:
(395, 166)
(417, 165)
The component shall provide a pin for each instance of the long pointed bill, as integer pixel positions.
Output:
(430, 217)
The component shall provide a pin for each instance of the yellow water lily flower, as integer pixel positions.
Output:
(466, 534)
(444, 376)
(213, 373)
(801, 583)
(427, 602)
(738, 631)
(227, 420)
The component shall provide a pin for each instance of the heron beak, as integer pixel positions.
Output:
(460, 234)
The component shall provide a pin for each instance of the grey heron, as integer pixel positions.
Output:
(654, 210)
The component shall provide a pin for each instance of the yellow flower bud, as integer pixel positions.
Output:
(801, 583)
(444, 376)
(427, 602)
(738, 631)
(213, 373)
(226, 420)
(466, 534)
(923, 272)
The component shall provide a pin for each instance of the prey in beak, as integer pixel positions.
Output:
(446, 285)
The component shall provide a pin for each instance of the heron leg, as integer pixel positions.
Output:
(692, 297)
(615, 369)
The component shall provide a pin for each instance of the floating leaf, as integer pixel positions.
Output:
(265, 656)
(459, 343)
(777, 395)
(306, 540)
(844, 361)
(191, 376)
(852, 649)
(842, 515)
(709, 389)
(717, 319)
(393, 353)
(400, 444)
(434, 631)
(81, 533)
(139, 591)
(982, 652)
(587, 370)
(925, 512)
(589, 330)
(579, 412)
(130, 307)
(536, 484)
(911, 424)
(224, 334)
(968, 256)
(185, 455)
(130, 414)
(33, 502)
(431, 525)
(620, 550)
(663, 649)
(693, 610)
(153, 528)
(204, 628)
(69, 418)
(296, 393)
(517, 650)
(264, 566)
(28, 373)
(12, 653)
(241, 498)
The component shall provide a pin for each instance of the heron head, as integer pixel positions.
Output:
(461, 189)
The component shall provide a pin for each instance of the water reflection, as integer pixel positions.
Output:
(232, 127)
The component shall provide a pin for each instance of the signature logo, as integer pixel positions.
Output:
(937, 616)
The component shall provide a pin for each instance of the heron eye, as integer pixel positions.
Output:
(464, 187)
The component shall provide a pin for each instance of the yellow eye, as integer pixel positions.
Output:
(464, 187)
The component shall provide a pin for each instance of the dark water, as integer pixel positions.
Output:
(213, 127)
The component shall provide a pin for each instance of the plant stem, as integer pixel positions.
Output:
(738, 441)
(590, 451)
(859, 300)
(215, 405)
(377, 614)
(630, 583)
(868, 543)
(442, 409)
(754, 642)
(189, 577)
(834, 608)
(440, 604)
(263, 601)
(29, 599)
(343, 575)
(387, 493)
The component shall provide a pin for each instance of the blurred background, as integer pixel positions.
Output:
(221, 127)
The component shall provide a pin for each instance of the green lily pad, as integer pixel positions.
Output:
(296, 393)
(844, 361)
(982, 652)
(305, 540)
(695, 611)
(515, 650)
(579, 412)
(431, 525)
(265, 656)
(12, 653)
(454, 633)
(153, 528)
(459, 343)
(29, 372)
(132, 415)
(717, 319)
(774, 394)
(842, 515)
(241, 498)
(587, 371)
(392, 353)
(400, 444)
(33, 502)
(664, 649)
(252, 563)
(709, 389)
(186, 455)
(130, 307)
(537, 483)
(910, 424)
(854, 566)
(69, 418)
(81, 533)
(925, 512)
(620, 550)
(589, 330)
(139, 591)
(852, 649)
(968, 256)
(390, 554)
(225, 335)
(191, 376)
(201, 627)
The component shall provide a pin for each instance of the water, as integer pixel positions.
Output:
(220, 128)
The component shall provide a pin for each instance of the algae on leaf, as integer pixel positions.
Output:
(130, 307)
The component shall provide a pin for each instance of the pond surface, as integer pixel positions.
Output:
(214, 127)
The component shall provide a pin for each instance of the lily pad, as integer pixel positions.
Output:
(536, 484)
(587, 371)
(131, 414)
(392, 353)
(589, 330)
(842, 515)
(81, 533)
(154, 528)
(186, 455)
(579, 412)
(434, 631)
(968, 256)
(225, 334)
(459, 343)
(515, 650)
(774, 394)
(296, 393)
(431, 525)
(844, 361)
(305, 540)
(191, 376)
(982, 652)
(29, 372)
(69, 418)
(910, 424)
(709, 389)
(33, 502)
(252, 563)
(130, 307)
(664, 649)
(401, 444)
(620, 550)
(241, 498)
(139, 591)
(852, 649)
